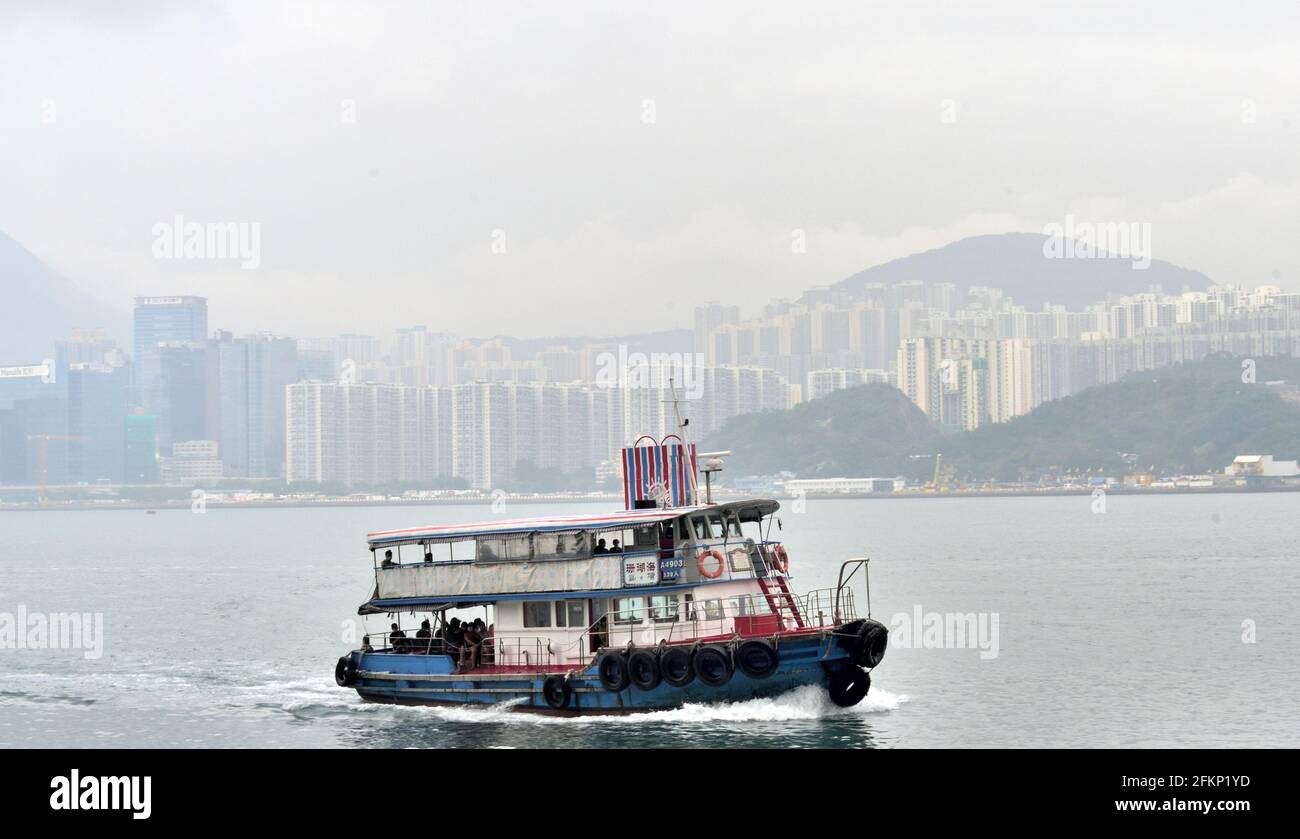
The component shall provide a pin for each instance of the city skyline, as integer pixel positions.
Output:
(422, 407)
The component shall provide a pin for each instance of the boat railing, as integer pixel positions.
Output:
(673, 621)
(744, 557)
(505, 650)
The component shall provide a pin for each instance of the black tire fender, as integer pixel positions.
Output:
(345, 672)
(677, 666)
(849, 686)
(613, 672)
(557, 691)
(757, 659)
(713, 666)
(871, 644)
(643, 669)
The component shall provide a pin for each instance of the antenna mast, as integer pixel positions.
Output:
(682, 425)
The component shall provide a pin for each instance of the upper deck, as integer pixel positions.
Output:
(628, 551)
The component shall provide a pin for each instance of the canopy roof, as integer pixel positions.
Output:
(747, 511)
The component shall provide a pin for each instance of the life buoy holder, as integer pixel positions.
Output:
(781, 559)
(717, 570)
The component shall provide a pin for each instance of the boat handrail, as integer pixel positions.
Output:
(690, 551)
(507, 650)
(815, 610)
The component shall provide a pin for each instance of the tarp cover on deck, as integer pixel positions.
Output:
(455, 580)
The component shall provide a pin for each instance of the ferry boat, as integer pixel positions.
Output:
(671, 600)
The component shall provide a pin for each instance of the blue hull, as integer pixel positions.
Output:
(428, 680)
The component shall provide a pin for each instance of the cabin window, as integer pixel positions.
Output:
(646, 536)
(503, 549)
(571, 613)
(733, 527)
(716, 526)
(537, 614)
(701, 527)
(713, 610)
(629, 609)
(616, 541)
(664, 608)
(574, 545)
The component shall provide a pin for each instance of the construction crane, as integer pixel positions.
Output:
(943, 475)
(44, 440)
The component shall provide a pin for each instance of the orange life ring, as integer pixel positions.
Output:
(782, 559)
(717, 572)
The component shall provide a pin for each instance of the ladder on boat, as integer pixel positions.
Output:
(781, 600)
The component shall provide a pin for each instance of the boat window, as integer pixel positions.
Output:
(715, 525)
(646, 536)
(629, 609)
(571, 613)
(537, 614)
(713, 610)
(503, 548)
(701, 527)
(616, 541)
(733, 527)
(574, 545)
(664, 608)
(462, 551)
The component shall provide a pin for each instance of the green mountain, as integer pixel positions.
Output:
(863, 431)
(1190, 418)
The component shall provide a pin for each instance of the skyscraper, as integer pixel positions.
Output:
(176, 392)
(98, 395)
(162, 320)
(247, 378)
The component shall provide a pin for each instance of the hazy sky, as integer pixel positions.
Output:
(533, 120)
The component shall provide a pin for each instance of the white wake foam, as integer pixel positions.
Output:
(805, 703)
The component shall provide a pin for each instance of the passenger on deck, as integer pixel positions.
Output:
(471, 648)
(397, 639)
(455, 637)
(365, 644)
(428, 554)
(424, 638)
(616, 548)
(600, 547)
(388, 559)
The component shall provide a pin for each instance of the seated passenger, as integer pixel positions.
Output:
(454, 638)
(471, 648)
(428, 555)
(388, 560)
(397, 639)
(600, 547)
(424, 638)
(365, 644)
(616, 548)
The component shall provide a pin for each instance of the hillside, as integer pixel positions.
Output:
(863, 431)
(51, 307)
(1192, 418)
(1015, 263)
